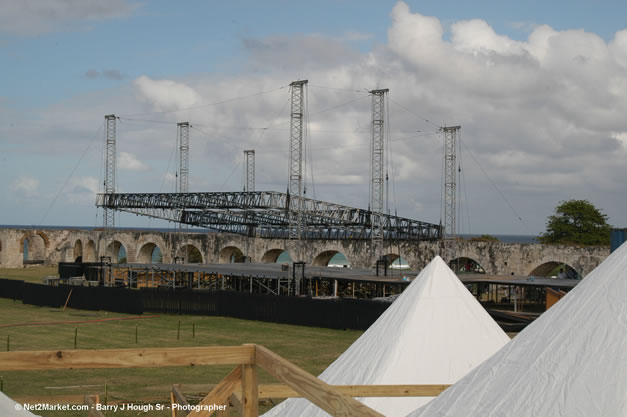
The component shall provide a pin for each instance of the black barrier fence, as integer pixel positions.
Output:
(85, 298)
(344, 313)
(45, 295)
(10, 288)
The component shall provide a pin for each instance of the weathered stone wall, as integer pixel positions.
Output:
(53, 246)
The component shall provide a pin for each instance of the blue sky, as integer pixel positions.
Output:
(64, 67)
(206, 37)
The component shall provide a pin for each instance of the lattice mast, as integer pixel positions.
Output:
(450, 134)
(296, 158)
(183, 134)
(109, 182)
(377, 173)
(249, 157)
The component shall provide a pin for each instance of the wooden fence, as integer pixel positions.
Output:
(240, 387)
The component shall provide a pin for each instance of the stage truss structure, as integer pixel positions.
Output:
(266, 214)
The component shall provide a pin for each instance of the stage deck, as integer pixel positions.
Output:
(395, 276)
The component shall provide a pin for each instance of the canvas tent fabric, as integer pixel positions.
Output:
(8, 408)
(434, 333)
(570, 362)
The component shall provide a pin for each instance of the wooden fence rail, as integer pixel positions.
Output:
(240, 387)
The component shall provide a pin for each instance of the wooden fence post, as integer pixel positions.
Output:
(250, 390)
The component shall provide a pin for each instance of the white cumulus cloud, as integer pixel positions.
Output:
(476, 37)
(26, 186)
(165, 95)
(129, 162)
(82, 190)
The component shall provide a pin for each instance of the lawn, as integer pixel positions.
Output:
(311, 348)
(29, 274)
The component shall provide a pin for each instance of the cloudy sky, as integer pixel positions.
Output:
(539, 89)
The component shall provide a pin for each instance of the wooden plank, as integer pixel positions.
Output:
(266, 391)
(284, 391)
(392, 390)
(68, 299)
(250, 401)
(220, 394)
(126, 358)
(172, 402)
(310, 387)
(91, 401)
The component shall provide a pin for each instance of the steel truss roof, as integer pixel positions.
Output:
(265, 214)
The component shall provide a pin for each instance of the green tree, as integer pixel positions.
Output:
(577, 222)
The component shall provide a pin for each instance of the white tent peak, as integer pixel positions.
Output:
(434, 333)
(571, 361)
(8, 408)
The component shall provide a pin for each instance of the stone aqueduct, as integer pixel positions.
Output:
(51, 246)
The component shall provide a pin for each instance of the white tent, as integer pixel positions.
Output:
(434, 333)
(571, 362)
(9, 408)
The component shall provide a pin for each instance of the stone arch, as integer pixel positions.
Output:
(190, 254)
(117, 251)
(45, 238)
(272, 256)
(78, 251)
(140, 243)
(552, 269)
(324, 258)
(465, 265)
(392, 257)
(231, 254)
(89, 254)
(33, 246)
(148, 252)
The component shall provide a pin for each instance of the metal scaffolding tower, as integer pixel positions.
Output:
(249, 157)
(295, 189)
(377, 176)
(450, 180)
(109, 182)
(183, 136)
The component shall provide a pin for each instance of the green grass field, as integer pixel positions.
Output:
(311, 348)
(30, 274)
